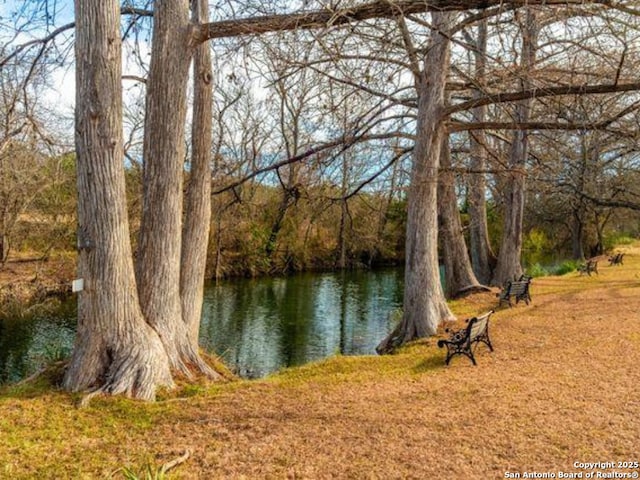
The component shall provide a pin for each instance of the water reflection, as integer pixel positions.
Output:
(260, 326)
(27, 344)
(256, 326)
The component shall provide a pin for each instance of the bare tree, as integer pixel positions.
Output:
(127, 356)
(195, 235)
(424, 303)
(482, 256)
(508, 265)
(459, 276)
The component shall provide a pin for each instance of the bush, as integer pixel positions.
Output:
(566, 267)
(535, 247)
(537, 270)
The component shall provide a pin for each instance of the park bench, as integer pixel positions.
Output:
(587, 268)
(518, 289)
(616, 259)
(465, 340)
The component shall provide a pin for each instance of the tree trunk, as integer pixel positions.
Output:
(115, 350)
(577, 234)
(344, 216)
(4, 248)
(509, 265)
(160, 244)
(289, 198)
(424, 304)
(195, 235)
(482, 256)
(459, 276)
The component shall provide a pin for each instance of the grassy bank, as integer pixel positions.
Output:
(562, 386)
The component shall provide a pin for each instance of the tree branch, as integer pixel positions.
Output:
(329, 17)
(44, 40)
(345, 140)
(541, 92)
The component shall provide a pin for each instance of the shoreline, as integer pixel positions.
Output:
(27, 282)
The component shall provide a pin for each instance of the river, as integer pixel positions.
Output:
(257, 326)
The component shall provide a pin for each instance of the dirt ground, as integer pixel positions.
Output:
(561, 389)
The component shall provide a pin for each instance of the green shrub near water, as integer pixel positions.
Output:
(565, 267)
(535, 247)
(538, 270)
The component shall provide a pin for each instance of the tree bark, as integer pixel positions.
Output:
(482, 256)
(115, 350)
(160, 244)
(425, 306)
(459, 276)
(195, 235)
(509, 265)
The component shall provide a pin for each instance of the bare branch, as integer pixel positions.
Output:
(542, 92)
(329, 17)
(346, 141)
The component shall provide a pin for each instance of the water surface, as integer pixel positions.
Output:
(257, 326)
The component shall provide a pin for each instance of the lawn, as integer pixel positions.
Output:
(562, 386)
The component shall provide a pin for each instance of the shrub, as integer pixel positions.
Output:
(535, 247)
(566, 267)
(537, 270)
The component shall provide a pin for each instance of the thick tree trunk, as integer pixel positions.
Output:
(195, 236)
(160, 244)
(509, 265)
(482, 256)
(459, 276)
(115, 350)
(425, 306)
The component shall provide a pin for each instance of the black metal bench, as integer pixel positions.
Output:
(616, 259)
(519, 289)
(587, 268)
(465, 340)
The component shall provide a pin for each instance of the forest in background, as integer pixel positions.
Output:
(335, 111)
(318, 232)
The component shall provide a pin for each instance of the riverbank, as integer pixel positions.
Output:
(28, 281)
(562, 386)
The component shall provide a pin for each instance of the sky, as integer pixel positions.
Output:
(59, 95)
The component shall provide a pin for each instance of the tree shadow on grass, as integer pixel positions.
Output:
(433, 360)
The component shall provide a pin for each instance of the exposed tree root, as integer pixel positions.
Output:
(407, 331)
(86, 399)
(392, 341)
(175, 462)
(471, 289)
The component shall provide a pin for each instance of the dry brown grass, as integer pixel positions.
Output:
(563, 385)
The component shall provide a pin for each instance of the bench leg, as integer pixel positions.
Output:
(448, 359)
(485, 339)
(466, 353)
(473, 359)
